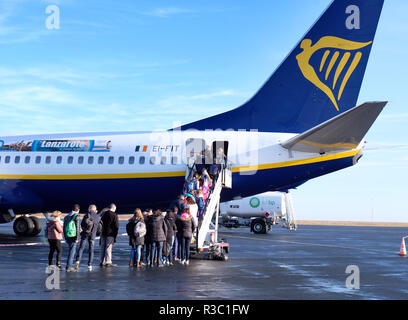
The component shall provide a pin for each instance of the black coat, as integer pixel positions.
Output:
(179, 204)
(171, 228)
(185, 227)
(157, 228)
(110, 222)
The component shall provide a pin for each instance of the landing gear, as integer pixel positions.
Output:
(37, 226)
(27, 226)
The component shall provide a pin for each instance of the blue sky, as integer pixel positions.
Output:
(145, 65)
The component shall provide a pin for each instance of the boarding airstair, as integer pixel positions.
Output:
(289, 218)
(205, 243)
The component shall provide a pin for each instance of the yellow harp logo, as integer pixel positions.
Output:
(330, 43)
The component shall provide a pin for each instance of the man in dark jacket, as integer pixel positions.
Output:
(110, 230)
(179, 204)
(148, 243)
(89, 225)
(71, 235)
(158, 230)
(168, 244)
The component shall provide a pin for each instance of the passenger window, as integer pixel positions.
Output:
(163, 160)
(27, 159)
(80, 160)
(111, 160)
(121, 160)
(131, 160)
(37, 159)
(152, 160)
(59, 160)
(90, 160)
(142, 160)
(48, 159)
(100, 160)
(70, 159)
(7, 159)
(17, 159)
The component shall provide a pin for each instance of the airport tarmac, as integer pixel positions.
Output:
(309, 263)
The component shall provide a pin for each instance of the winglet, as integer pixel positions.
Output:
(343, 132)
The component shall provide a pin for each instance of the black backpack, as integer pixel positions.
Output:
(87, 224)
(100, 228)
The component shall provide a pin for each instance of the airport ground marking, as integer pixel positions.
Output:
(308, 244)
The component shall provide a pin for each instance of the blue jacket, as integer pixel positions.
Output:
(200, 203)
(189, 186)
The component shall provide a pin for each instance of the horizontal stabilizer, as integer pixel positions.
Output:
(343, 132)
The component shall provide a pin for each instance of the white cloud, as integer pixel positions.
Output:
(167, 12)
(181, 101)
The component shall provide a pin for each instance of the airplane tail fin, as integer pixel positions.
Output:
(320, 79)
(343, 132)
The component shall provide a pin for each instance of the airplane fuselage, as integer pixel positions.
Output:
(47, 172)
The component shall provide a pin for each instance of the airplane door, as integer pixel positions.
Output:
(220, 154)
(220, 151)
(194, 153)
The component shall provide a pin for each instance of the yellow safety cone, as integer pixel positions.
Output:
(403, 250)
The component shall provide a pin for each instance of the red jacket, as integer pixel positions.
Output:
(54, 229)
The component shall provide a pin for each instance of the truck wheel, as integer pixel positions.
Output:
(258, 226)
(23, 226)
(37, 226)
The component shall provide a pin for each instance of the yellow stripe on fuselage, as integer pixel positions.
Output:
(296, 162)
(174, 173)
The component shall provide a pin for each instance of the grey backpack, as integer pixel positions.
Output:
(140, 229)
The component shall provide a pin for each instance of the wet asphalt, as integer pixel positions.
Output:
(309, 263)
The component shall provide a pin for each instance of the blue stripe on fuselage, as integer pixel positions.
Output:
(150, 192)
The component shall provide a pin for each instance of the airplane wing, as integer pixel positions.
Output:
(343, 132)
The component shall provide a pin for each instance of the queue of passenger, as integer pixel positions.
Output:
(156, 238)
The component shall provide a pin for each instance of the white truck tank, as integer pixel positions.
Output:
(271, 203)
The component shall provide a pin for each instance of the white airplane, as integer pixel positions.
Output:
(302, 123)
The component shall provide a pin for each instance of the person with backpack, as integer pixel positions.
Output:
(185, 229)
(201, 206)
(89, 226)
(168, 244)
(136, 230)
(189, 185)
(110, 222)
(54, 235)
(158, 236)
(71, 235)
